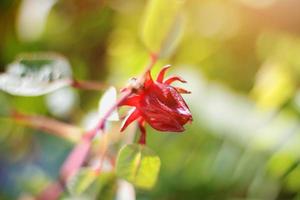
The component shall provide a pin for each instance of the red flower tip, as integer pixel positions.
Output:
(159, 104)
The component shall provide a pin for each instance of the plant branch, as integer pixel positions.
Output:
(88, 85)
(55, 127)
(51, 192)
(78, 155)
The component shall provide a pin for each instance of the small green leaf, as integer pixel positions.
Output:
(107, 186)
(162, 26)
(36, 74)
(81, 181)
(139, 165)
(87, 184)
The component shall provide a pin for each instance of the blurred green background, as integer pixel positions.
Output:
(241, 59)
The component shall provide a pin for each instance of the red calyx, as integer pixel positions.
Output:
(159, 104)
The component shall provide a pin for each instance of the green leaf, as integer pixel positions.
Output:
(139, 165)
(36, 74)
(87, 184)
(81, 181)
(162, 26)
(107, 186)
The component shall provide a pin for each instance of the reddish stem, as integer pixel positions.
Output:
(78, 155)
(142, 139)
(58, 128)
(75, 159)
(88, 85)
(52, 192)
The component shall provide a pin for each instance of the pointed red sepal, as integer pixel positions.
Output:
(130, 101)
(174, 78)
(132, 115)
(159, 104)
(148, 80)
(162, 73)
(182, 91)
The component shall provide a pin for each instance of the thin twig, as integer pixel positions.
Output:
(88, 85)
(78, 155)
(55, 127)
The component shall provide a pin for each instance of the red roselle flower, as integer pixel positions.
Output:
(159, 104)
